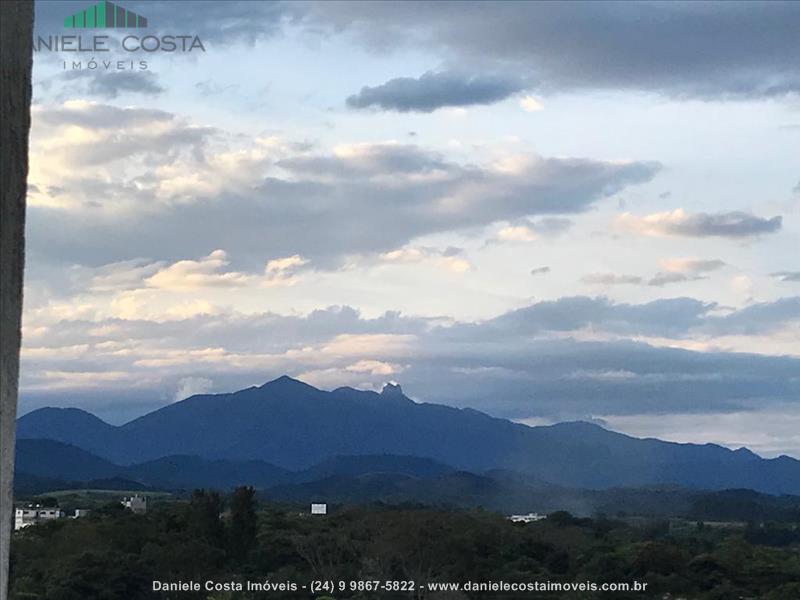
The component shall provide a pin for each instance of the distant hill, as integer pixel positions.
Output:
(387, 479)
(295, 426)
(372, 464)
(55, 460)
(515, 494)
(69, 425)
(188, 472)
(43, 464)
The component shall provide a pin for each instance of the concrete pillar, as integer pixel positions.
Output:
(16, 61)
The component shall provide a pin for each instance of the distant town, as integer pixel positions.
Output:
(33, 514)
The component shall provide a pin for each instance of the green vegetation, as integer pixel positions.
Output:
(115, 555)
(69, 500)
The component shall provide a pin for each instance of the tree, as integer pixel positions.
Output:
(243, 524)
(204, 512)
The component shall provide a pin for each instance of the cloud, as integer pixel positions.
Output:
(662, 279)
(120, 276)
(164, 189)
(109, 85)
(95, 116)
(534, 361)
(611, 279)
(680, 270)
(191, 386)
(210, 272)
(130, 152)
(451, 259)
(527, 230)
(691, 265)
(762, 317)
(694, 50)
(777, 432)
(735, 224)
(676, 270)
(280, 265)
(193, 274)
(540, 270)
(786, 275)
(531, 104)
(516, 233)
(231, 22)
(432, 91)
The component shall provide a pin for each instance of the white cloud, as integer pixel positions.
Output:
(374, 367)
(450, 259)
(776, 433)
(690, 265)
(191, 386)
(285, 264)
(516, 233)
(194, 274)
(531, 104)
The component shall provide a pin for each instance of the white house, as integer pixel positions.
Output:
(319, 509)
(33, 514)
(136, 503)
(529, 518)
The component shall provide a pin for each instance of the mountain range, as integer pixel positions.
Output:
(261, 433)
(45, 467)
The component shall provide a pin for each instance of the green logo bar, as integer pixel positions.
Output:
(104, 15)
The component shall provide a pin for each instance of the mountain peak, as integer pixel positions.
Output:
(285, 382)
(746, 452)
(392, 389)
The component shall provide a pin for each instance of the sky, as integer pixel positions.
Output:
(547, 212)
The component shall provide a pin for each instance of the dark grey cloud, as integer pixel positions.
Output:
(679, 270)
(611, 279)
(432, 90)
(734, 224)
(760, 318)
(218, 23)
(684, 49)
(673, 317)
(523, 363)
(370, 161)
(109, 85)
(697, 265)
(661, 279)
(787, 275)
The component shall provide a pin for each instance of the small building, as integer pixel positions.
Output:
(33, 514)
(80, 512)
(136, 504)
(529, 518)
(319, 509)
